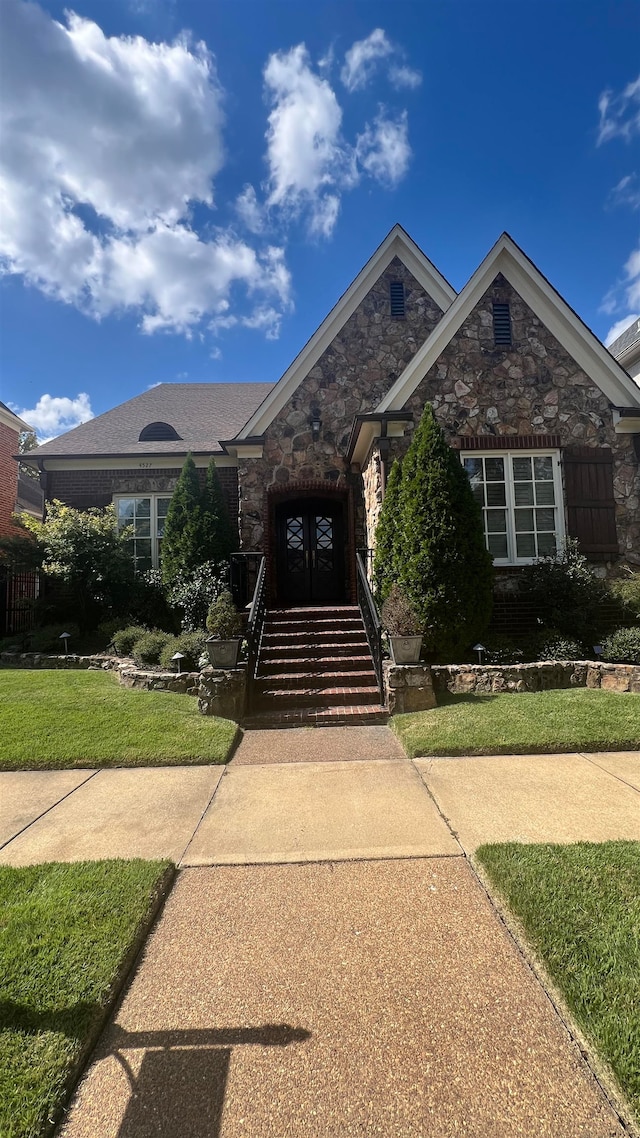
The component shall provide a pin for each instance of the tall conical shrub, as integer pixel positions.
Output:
(182, 541)
(219, 538)
(384, 571)
(439, 553)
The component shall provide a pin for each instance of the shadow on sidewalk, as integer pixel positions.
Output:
(180, 1087)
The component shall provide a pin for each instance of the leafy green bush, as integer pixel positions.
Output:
(47, 638)
(501, 649)
(566, 593)
(148, 647)
(191, 644)
(125, 638)
(623, 646)
(384, 568)
(553, 645)
(192, 594)
(627, 591)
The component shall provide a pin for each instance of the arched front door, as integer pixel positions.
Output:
(310, 537)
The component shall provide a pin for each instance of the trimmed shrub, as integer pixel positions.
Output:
(399, 615)
(192, 594)
(191, 644)
(622, 647)
(182, 540)
(627, 592)
(554, 645)
(219, 537)
(125, 639)
(148, 647)
(438, 553)
(223, 619)
(501, 649)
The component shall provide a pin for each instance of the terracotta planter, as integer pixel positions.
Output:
(223, 653)
(405, 649)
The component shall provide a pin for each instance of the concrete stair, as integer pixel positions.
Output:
(315, 669)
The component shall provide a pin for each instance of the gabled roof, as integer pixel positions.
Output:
(397, 243)
(579, 341)
(629, 339)
(201, 413)
(10, 419)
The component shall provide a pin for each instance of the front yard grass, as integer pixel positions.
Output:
(67, 932)
(523, 723)
(579, 907)
(52, 720)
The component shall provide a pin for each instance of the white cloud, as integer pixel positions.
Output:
(107, 142)
(310, 162)
(361, 59)
(402, 76)
(619, 113)
(52, 415)
(249, 209)
(383, 149)
(619, 327)
(626, 193)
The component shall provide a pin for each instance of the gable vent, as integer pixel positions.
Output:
(501, 324)
(396, 294)
(157, 433)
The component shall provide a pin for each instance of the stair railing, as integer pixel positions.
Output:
(372, 622)
(255, 628)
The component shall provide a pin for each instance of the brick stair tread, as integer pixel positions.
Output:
(293, 664)
(326, 679)
(324, 697)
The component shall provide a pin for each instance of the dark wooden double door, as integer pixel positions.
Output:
(310, 552)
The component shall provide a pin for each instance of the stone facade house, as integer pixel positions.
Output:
(545, 419)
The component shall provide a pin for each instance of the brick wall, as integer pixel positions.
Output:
(8, 477)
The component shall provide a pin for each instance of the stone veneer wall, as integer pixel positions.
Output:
(532, 387)
(350, 378)
(542, 676)
(372, 494)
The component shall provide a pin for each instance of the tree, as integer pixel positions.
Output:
(384, 572)
(182, 540)
(437, 549)
(219, 538)
(27, 442)
(84, 550)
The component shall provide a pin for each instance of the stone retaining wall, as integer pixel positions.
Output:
(542, 676)
(408, 687)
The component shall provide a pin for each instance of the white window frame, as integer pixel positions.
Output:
(510, 506)
(153, 519)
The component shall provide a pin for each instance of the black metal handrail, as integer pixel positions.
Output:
(255, 627)
(372, 622)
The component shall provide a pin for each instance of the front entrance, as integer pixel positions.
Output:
(310, 552)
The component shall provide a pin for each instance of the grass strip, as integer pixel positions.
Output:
(523, 723)
(52, 720)
(68, 934)
(579, 906)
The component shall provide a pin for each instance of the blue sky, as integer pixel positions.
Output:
(190, 185)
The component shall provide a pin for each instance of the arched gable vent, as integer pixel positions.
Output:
(157, 433)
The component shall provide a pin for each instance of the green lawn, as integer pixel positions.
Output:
(67, 932)
(85, 719)
(545, 722)
(579, 906)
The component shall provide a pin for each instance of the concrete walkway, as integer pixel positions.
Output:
(332, 968)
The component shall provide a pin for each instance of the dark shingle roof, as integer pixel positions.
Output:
(625, 341)
(202, 414)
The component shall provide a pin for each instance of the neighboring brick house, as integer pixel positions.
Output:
(546, 421)
(18, 494)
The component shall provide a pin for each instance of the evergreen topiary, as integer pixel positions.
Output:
(219, 538)
(384, 572)
(438, 552)
(182, 540)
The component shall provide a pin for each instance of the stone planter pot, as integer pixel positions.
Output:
(223, 653)
(405, 649)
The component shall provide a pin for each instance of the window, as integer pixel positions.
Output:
(521, 497)
(146, 516)
(501, 325)
(396, 296)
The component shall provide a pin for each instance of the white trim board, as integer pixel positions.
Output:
(134, 462)
(554, 312)
(397, 243)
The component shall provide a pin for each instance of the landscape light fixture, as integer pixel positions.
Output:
(178, 656)
(479, 648)
(65, 637)
(316, 424)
